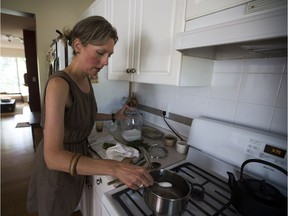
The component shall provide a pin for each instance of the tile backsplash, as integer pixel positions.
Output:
(248, 92)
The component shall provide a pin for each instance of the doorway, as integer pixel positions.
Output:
(18, 29)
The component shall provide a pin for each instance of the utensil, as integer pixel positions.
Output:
(163, 184)
(147, 157)
(257, 197)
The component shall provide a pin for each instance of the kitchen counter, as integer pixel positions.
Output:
(172, 155)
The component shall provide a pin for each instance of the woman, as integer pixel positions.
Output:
(68, 115)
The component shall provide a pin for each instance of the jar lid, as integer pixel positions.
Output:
(131, 112)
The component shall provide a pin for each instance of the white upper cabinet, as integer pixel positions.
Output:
(197, 8)
(146, 51)
(98, 7)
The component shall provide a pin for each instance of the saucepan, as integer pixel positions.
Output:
(167, 200)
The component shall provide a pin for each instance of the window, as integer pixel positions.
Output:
(12, 72)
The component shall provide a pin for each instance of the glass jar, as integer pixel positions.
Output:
(131, 126)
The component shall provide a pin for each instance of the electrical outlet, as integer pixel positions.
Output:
(165, 107)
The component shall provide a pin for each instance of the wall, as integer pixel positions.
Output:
(250, 92)
(109, 93)
(12, 52)
(50, 15)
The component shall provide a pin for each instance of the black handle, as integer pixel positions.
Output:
(263, 162)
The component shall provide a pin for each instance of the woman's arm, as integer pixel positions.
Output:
(118, 115)
(57, 158)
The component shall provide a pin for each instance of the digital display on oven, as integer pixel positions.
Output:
(275, 151)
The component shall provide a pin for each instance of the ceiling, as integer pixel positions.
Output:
(12, 29)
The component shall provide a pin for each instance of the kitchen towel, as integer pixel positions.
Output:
(119, 152)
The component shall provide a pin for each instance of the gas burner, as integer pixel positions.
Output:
(197, 192)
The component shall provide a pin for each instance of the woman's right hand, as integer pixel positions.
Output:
(132, 175)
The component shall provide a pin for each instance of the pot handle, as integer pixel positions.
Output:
(263, 162)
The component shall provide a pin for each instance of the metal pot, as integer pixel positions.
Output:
(167, 201)
(256, 197)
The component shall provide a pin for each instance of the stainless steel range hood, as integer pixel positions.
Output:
(254, 34)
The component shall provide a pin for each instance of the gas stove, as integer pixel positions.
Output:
(215, 149)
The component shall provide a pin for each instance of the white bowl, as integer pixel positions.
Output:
(182, 147)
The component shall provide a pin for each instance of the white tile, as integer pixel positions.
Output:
(179, 104)
(225, 86)
(259, 88)
(196, 106)
(282, 96)
(228, 66)
(265, 65)
(279, 121)
(221, 109)
(199, 91)
(254, 116)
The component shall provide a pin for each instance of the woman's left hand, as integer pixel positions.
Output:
(119, 115)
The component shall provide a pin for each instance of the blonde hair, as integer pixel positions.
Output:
(94, 30)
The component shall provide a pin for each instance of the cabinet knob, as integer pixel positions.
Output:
(128, 70)
(98, 181)
(133, 70)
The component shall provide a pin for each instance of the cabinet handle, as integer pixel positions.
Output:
(133, 70)
(128, 70)
(98, 181)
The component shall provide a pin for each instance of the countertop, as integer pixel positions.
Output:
(172, 155)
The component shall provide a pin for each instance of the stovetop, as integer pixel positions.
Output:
(202, 169)
(215, 199)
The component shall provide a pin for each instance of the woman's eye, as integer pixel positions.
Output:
(100, 53)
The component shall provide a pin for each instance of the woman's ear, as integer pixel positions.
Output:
(77, 45)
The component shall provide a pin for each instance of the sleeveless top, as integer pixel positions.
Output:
(54, 192)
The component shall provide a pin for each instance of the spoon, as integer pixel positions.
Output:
(150, 164)
(163, 184)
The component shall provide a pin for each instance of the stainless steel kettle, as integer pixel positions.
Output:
(256, 197)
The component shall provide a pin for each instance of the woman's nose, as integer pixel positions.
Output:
(105, 61)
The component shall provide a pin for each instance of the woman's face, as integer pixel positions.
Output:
(94, 57)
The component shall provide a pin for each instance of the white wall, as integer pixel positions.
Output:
(250, 92)
(50, 15)
(108, 93)
(12, 52)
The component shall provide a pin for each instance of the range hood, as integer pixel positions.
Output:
(253, 34)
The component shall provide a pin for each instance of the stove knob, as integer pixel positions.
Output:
(98, 181)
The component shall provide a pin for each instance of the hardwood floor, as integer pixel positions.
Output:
(17, 155)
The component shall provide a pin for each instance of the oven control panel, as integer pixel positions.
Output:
(266, 151)
(234, 144)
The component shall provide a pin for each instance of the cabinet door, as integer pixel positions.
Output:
(96, 204)
(121, 16)
(146, 31)
(99, 188)
(98, 7)
(86, 201)
(196, 8)
(157, 61)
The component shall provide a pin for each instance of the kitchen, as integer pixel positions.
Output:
(249, 92)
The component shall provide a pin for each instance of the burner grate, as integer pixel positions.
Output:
(216, 200)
